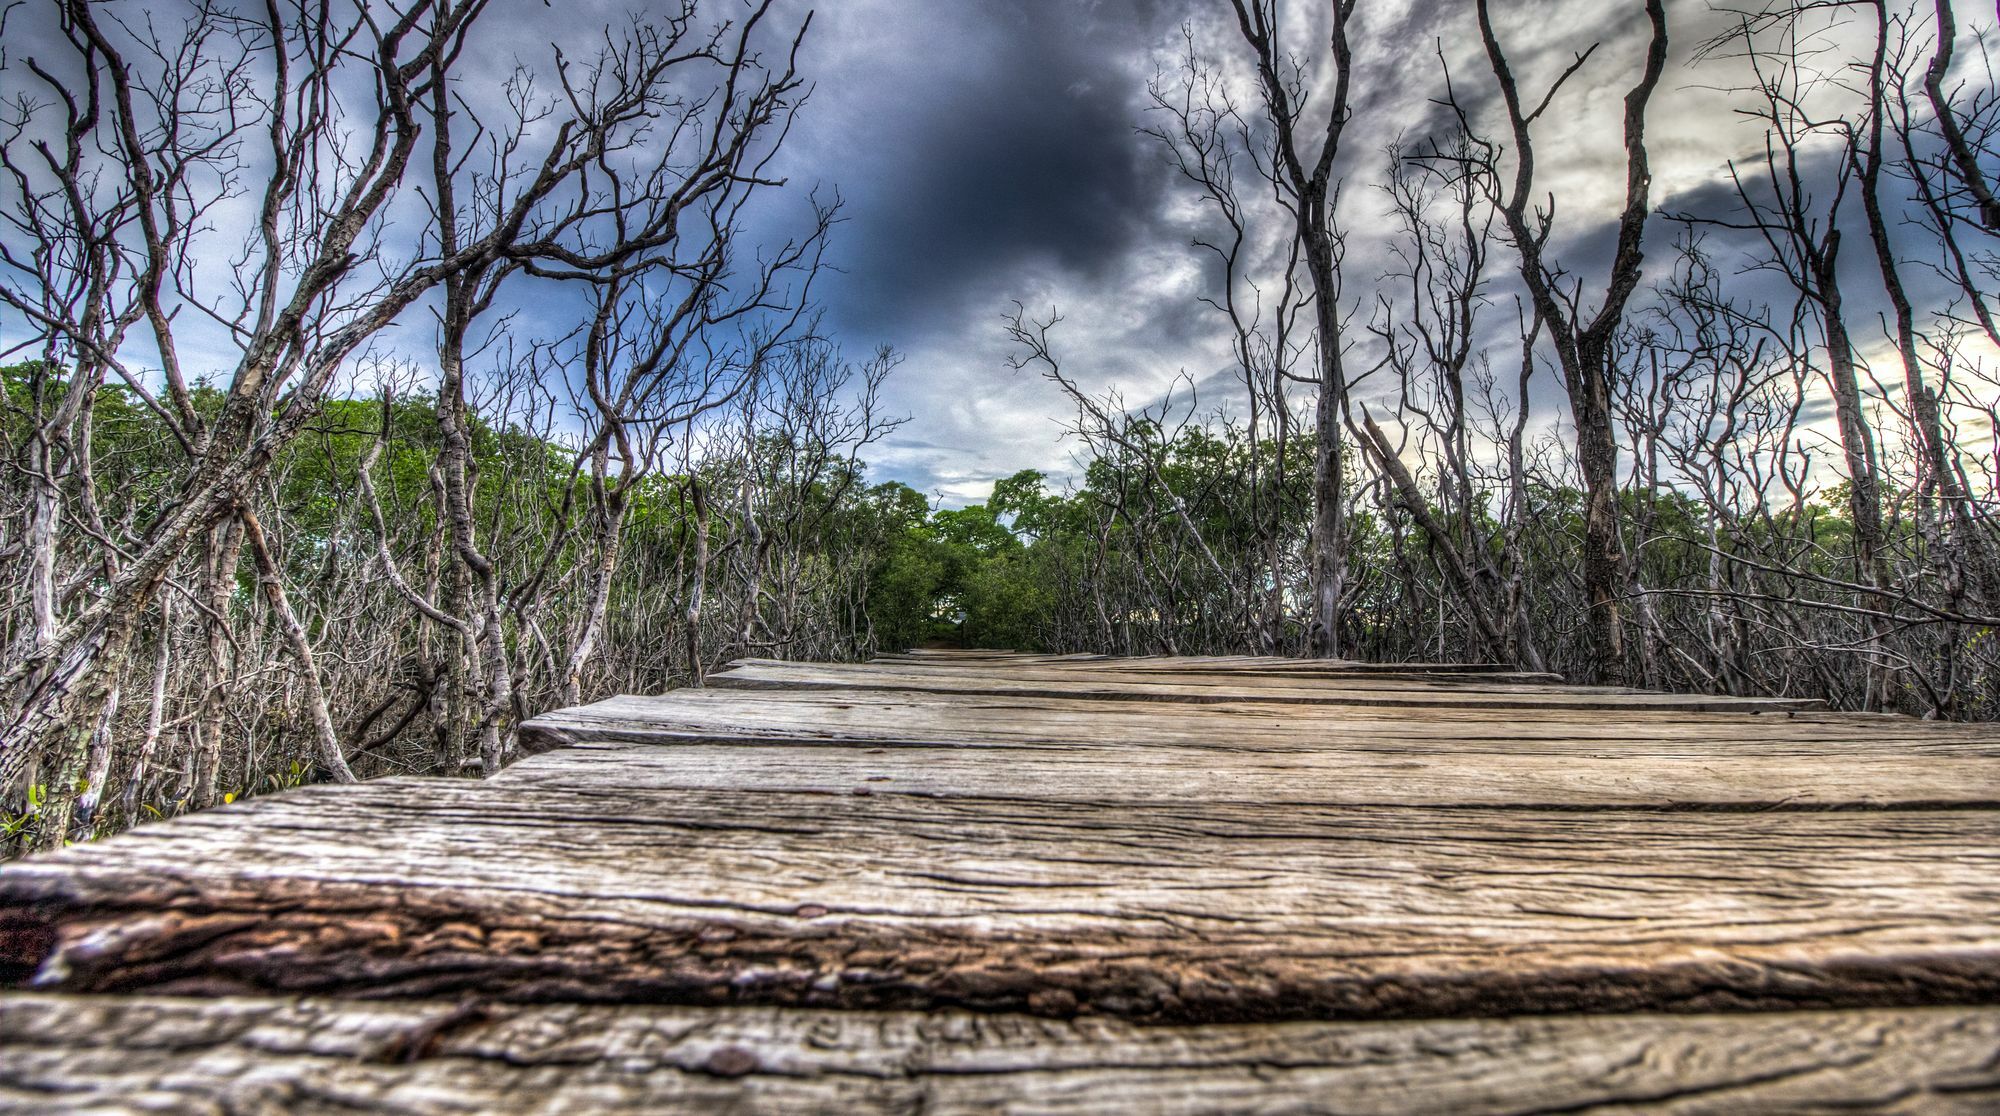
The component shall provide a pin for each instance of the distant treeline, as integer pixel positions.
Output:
(1196, 544)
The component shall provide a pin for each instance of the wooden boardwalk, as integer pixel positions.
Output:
(978, 881)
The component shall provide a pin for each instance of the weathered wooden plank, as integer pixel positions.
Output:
(410, 887)
(1256, 840)
(1202, 664)
(1260, 674)
(253, 1056)
(1027, 682)
(1326, 776)
(888, 719)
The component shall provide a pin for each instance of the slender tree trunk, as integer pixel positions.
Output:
(610, 505)
(331, 756)
(89, 730)
(698, 587)
(1603, 546)
(1584, 349)
(156, 708)
(224, 547)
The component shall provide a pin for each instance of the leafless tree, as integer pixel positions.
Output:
(1218, 151)
(127, 158)
(158, 127)
(1308, 183)
(1429, 337)
(1580, 333)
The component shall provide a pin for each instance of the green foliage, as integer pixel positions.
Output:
(17, 830)
(908, 580)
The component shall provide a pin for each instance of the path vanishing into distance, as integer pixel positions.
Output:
(986, 881)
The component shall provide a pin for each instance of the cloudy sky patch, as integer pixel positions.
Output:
(989, 154)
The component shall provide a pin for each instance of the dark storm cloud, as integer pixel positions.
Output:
(989, 150)
(969, 140)
(1715, 212)
(1714, 198)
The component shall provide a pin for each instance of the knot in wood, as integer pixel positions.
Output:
(731, 1061)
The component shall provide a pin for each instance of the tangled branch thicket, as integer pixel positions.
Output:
(1773, 468)
(247, 542)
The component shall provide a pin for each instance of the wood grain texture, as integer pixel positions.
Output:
(61, 1054)
(987, 720)
(1111, 776)
(1092, 680)
(1112, 751)
(1262, 664)
(1170, 912)
(997, 882)
(1208, 667)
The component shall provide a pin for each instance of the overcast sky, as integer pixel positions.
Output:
(991, 152)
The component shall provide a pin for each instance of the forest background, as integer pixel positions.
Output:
(1741, 442)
